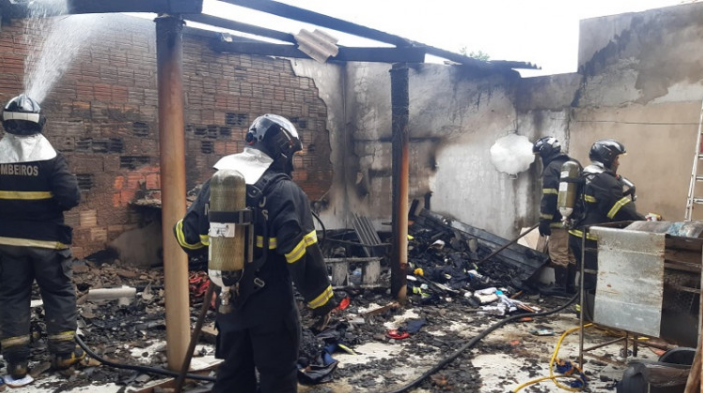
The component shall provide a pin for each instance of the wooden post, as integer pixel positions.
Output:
(169, 60)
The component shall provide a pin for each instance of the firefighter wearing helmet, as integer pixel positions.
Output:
(36, 188)
(550, 221)
(258, 325)
(604, 198)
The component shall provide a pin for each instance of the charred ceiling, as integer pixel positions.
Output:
(404, 50)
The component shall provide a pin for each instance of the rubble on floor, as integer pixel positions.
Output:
(372, 345)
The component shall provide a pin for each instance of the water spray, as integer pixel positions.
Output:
(54, 39)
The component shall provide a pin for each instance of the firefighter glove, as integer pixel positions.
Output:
(325, 309)
(322, 315)
(544, 229)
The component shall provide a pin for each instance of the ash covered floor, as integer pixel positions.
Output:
(448, 271)
(511, 355)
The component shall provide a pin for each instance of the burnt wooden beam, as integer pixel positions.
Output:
(241, 27)
(371, 55)
(157, 6)
(303, 15)
(461, 59)
(400, 114)
(515, 64)
(20, 9)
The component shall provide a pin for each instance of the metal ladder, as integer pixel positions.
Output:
(697, 157)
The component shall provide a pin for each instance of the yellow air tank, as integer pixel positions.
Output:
(568, 188)
(228, 246)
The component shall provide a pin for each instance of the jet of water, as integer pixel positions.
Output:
(61, 38)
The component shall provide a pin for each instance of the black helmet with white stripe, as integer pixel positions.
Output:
(606, 151)
(277, 137)
(23, 116)
(547, 147)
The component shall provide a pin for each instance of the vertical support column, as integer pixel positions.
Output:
(400, 104)
(169, 60)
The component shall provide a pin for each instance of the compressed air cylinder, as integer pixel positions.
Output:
(568, 187)
(228, 195)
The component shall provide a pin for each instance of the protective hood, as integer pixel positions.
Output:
(595, 168)
(16, 148)
(552, 157)
(251, 163)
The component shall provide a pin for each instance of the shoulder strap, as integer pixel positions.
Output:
(259, 189)
(249, 282)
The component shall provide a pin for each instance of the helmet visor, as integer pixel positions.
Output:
(21, 127)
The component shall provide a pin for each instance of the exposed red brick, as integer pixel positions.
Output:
(112, 86)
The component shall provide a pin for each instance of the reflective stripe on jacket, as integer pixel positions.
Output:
(550, 189)
(292, 243)
(33, 198)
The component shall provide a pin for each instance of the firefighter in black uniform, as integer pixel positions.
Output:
(36, 188)
(550, 222)
(603, 200)
(262, 331)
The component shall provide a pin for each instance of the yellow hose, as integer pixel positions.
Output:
(551, 376)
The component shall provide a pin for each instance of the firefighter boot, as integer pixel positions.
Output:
(571, 279)
(559, 287)
(17, 370)
(62, 361)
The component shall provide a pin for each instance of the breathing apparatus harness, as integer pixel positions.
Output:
(572, 183)
(239, 285)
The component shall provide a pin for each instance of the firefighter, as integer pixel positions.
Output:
(603, 199)
(550, 223)
(36, 188)
(262, 331)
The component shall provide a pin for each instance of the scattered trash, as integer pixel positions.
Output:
(198, 283)
(316, 374)
(438, 244)
(542, 332)
(414, 325)
(441, 381)
(344, 303)
(397, 334)
(498, 310)
(123, 292)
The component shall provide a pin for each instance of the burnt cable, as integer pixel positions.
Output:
(324, 236)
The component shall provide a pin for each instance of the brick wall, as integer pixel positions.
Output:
(103, 112)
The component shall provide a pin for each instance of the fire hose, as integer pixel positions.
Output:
(413, 384)
(143, 369)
